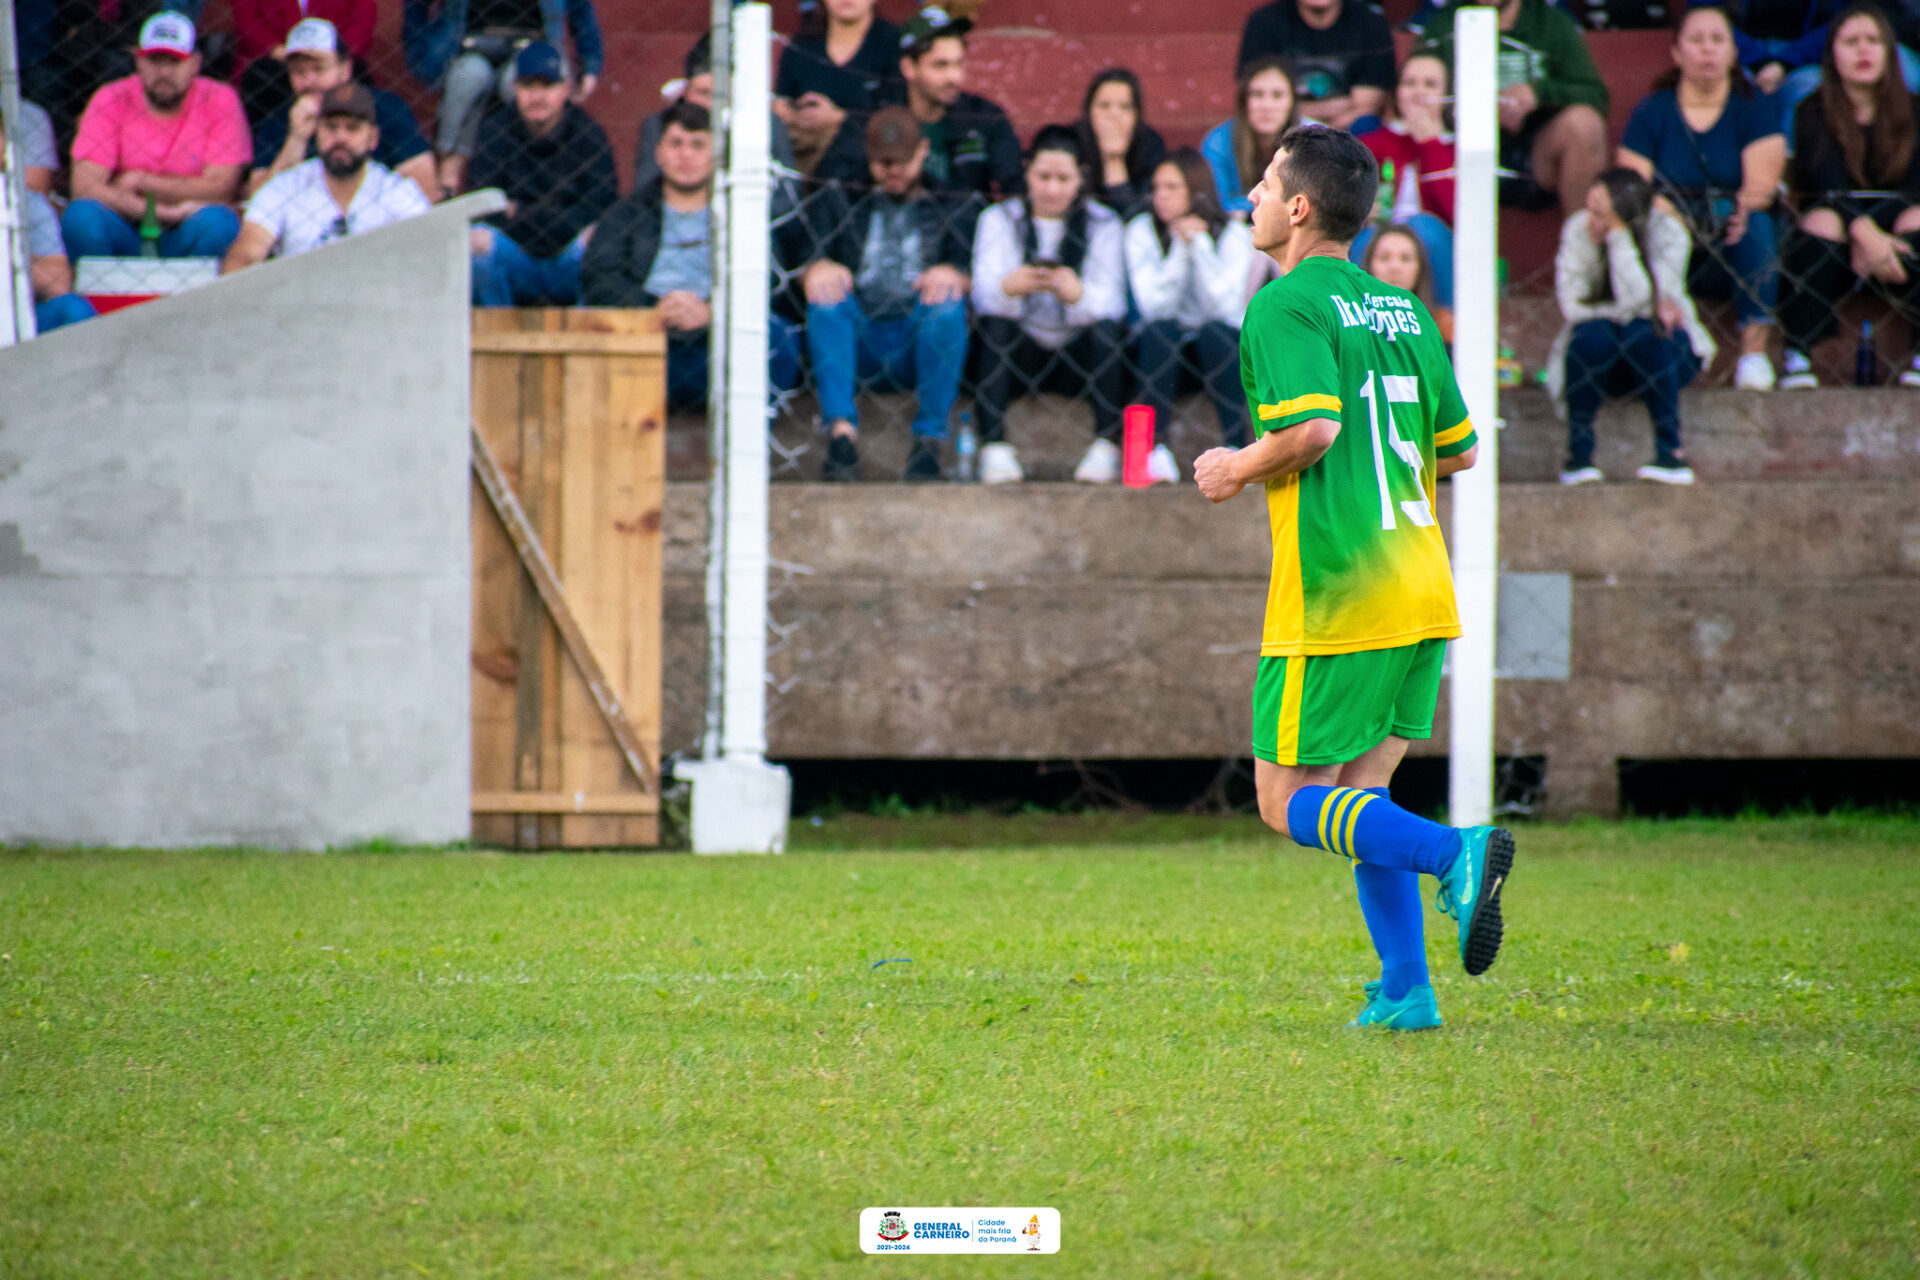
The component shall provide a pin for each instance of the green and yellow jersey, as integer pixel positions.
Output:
(1358, 560)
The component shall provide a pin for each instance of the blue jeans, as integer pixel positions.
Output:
(1436, 237)
(1802, 81)
(508, 276)
(926, 350)
(1748, 271)
(687, 364)
(1606, 358)
(67, 309)
(92, 230)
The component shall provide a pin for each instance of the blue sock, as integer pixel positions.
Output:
(1395, 915)
(1370, 828)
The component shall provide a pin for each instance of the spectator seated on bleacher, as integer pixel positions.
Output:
(1855, 177)
(469, 49)
(832, 73)
(555, 165)
(1782, 43)
(1122, 148)
(653, 249)
(40, 154)
(1050, 293)
(1398, 256)
(1553, 103)
(164, 138)
(972, 148)
(887, 299)
(1187, 264)
(316, 62)
(1416, 142)
(50, 273)
(1264, 107)
(260, 44)
(1713, 151)
(344, 191)
(1621, 277)
(696, 86)
(1341, 52)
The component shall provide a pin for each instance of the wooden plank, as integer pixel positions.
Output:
(570, 342)
(497, 587)
(590, 759)
(561, 802)
(534, 557)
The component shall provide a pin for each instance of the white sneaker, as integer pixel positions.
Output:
(1665, 475)
(1101, 465)
(1161, 468)
(1582, 475)
(1910, 376)
(999, 464)
(1754, 372)
(1798, 372)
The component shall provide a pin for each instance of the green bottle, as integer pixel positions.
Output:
(1383, 198)
(150, 230)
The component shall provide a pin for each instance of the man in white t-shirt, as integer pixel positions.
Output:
(341, 192)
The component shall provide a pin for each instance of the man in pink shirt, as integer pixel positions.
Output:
(165, 133)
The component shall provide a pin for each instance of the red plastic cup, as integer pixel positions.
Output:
(1136, 444)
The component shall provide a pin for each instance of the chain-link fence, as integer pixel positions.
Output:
(168, 140)
(933, 315)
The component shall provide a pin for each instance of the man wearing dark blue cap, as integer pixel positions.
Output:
(553, 162)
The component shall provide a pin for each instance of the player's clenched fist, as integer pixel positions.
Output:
(1214, 472)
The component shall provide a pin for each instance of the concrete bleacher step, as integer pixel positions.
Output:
(1866, 433)
(1731, 435)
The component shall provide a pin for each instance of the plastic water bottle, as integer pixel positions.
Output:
(965, 446)
(1866, 364)
(150, 229)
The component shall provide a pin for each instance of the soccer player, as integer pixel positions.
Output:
(1357, 415)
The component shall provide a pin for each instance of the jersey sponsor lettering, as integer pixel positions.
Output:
(1358, 558)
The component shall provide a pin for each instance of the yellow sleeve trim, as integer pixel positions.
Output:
(1268, 412)
(1441, 439)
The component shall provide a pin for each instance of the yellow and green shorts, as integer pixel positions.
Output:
(1336, 707)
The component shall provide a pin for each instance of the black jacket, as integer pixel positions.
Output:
(559, 184)
(620, 256)
(982, 151)
(839, 227)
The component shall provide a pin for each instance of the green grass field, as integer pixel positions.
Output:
(1698, 1056)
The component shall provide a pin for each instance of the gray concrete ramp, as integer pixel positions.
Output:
(234, 567)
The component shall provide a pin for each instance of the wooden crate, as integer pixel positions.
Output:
(572, 406)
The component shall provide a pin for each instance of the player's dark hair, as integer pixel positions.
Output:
(690, 116)
(1335, 172)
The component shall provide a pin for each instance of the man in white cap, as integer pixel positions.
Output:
(164, 138)
(317, 61)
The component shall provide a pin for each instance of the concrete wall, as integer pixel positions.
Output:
(234, 596)
(1048, 621)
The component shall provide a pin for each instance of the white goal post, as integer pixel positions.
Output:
(740, 802)
(1476, 493)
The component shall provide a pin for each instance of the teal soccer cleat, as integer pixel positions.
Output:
(1470, 893)
(1415, 1011)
